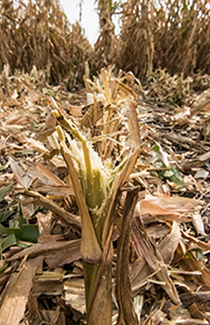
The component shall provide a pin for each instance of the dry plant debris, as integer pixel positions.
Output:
(149, 207)
(104, 191)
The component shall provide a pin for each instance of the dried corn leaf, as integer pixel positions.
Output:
(123, 290)
(16, 294)
(153, 259)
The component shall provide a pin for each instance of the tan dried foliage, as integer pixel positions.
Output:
(153, 142)
(37, 33)
(172, 35)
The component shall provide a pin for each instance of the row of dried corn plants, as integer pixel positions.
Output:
(154, 34)
(39, 34)
(170, 34)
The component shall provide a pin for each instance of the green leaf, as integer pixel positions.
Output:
(156, 148)
(7, 241)
(6, 215)
(3, 268)
(4, 191)
(22, 245)
(177, 177)
(199, 253)
(26, 233)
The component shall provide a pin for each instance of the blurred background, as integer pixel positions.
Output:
(141, 36)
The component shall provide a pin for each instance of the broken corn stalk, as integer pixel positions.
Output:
(96, 185)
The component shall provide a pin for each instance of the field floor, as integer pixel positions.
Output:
(167, 123)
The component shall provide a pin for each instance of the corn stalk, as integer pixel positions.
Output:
(97, 186)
